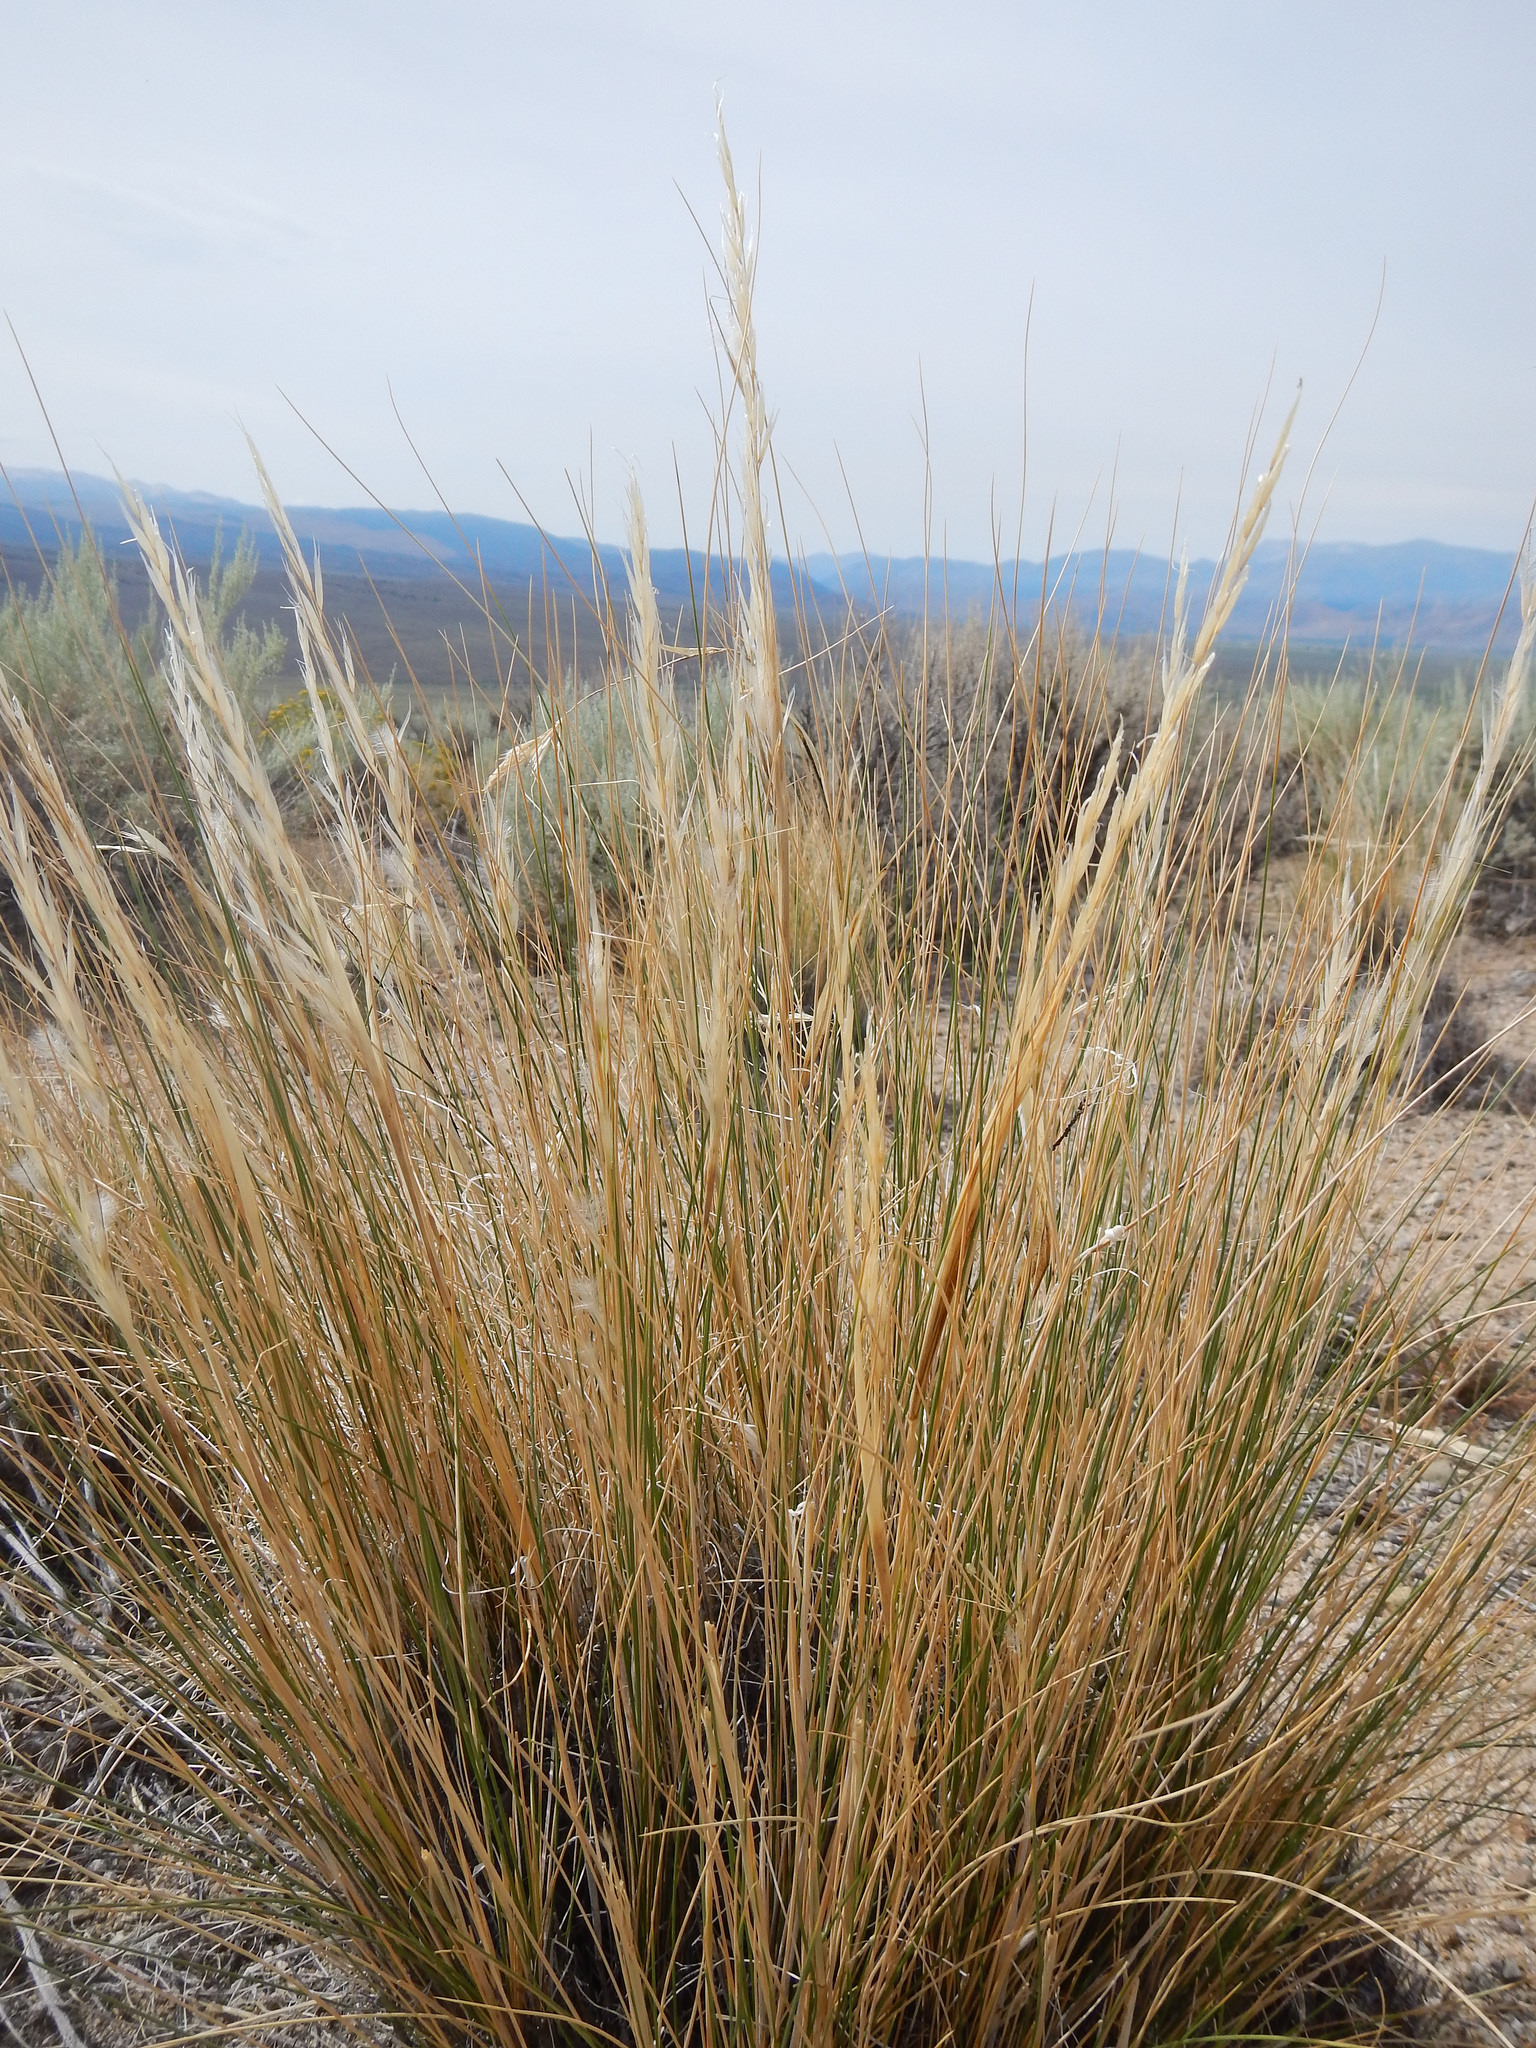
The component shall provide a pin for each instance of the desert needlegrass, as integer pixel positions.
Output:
(638, 1493)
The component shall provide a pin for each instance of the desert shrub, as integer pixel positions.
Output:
(1393, 763)
(1378, 757)
(1504, 899)
(634, 1512)
(977, 744)
(91, 685)
(567, 802)
(84, 680)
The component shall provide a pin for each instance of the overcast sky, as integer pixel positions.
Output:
(494, 213)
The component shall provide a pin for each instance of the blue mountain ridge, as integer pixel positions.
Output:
(1450, 599)
(1453, 599)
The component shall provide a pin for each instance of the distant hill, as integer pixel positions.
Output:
(46, 505)
(1446, 599)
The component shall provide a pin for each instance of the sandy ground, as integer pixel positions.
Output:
(1454, 1213)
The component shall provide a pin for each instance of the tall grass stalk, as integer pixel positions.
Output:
(636, 1497)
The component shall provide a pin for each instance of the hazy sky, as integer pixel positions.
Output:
(485, 209)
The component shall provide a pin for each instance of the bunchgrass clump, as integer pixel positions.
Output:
(637, 1493)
